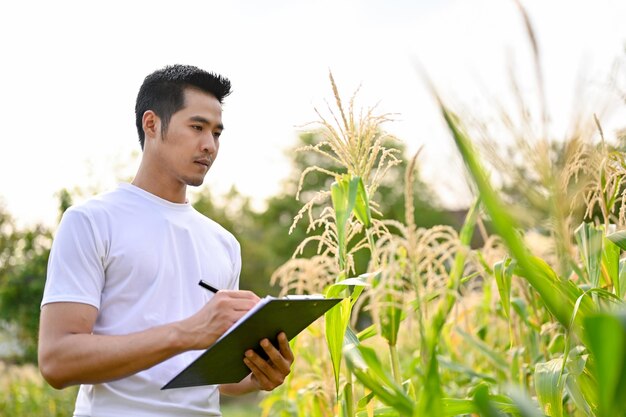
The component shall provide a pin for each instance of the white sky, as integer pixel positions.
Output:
(71, 70)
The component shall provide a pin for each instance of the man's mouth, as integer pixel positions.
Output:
(204, 161)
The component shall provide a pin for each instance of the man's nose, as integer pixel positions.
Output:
(208, 144)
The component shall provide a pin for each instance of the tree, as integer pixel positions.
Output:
(22, 280)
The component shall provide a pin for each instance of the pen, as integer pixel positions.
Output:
(211, 288)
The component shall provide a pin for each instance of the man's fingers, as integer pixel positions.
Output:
(285, 349)
(282, 364)
(262, 379)
(239, 294)
(234, 301)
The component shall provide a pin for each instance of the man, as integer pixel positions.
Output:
(122, 311)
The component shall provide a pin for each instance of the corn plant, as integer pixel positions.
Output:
(413, 279)
(356, 144)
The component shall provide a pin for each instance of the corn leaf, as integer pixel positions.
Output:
(620, 288)
(391, 316)
(610, 264)
(347, 401)
(369, 371)
(619, 238)
(558, 295)
(465, 370)
(365, 400)
(493, 356)
(343, 195)
(576, 379)
(589, 241)
(607, 341)
(336, 322)
(362, 205)
(483, 403)
(524, 406)
(549, 386)
(380, 412)
(456, 407)
(369, 331)
(503, 275)
(337, 319)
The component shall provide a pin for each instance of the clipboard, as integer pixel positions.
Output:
(222, 362)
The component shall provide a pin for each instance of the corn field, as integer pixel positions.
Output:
(531, 323)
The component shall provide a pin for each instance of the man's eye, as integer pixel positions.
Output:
(216, 135)
(197, 127)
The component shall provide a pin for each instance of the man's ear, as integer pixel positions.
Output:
(151, 124)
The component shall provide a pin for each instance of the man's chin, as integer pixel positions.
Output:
(195, 182)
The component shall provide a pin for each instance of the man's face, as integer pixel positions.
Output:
(191, 143)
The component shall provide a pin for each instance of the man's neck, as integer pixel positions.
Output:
(172, 191)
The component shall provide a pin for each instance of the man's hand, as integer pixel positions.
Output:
(206, 326)
(268, 374)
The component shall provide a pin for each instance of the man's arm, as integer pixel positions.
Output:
(69, 353)
(266, 374)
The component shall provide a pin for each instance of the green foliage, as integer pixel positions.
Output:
(22, 279)
(24, 393)
(607, 340)
(602, 334)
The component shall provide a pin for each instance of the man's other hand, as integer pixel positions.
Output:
(269, 374)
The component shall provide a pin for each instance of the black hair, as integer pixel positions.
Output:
(163, 92)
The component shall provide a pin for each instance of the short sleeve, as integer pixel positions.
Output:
(75, 267)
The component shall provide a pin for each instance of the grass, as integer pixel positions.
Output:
(244, 406)
(24, 393)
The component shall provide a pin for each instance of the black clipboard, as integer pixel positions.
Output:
(222, 362)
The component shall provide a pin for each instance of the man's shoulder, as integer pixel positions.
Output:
(97, 206)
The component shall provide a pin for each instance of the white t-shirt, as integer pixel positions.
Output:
(138, 258)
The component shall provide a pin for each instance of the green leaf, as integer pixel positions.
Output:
(610, 263)
(493, 356)
(365, 400)
(503, 275)
(524, 406)
(337, 319)
(369, 331)
(338, 287)
(549, 386)
(619, 238)
(380, 412)
(483, 403)
(456, 407)
(336, 322)
(346, 400)
(607, 342)
(465, 370)
(343, 195)
(577, 395)
(620, 287)
(391, 315)
(589, 241)
(369, 371)
(362, 206)
(557, 294)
